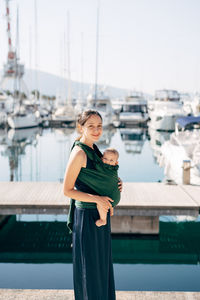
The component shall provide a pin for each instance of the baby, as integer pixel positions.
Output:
(110, 157)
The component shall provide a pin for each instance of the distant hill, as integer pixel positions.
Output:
(50, 84)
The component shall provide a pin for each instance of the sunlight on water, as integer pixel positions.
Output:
(42, 154)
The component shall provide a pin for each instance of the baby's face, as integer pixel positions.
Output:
(110, 158)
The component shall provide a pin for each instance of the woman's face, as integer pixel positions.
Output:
(92, 129)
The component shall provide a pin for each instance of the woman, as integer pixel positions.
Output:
(92, 261)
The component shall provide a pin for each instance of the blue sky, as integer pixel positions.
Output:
(143, 44)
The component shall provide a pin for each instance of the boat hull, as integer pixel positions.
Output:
(27, 121)
(164, 123)
(132, 118)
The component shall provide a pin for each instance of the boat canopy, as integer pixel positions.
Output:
(189, 120)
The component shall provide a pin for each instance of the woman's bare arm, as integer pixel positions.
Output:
(76, 161)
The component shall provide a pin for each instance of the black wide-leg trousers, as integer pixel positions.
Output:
(92, 259)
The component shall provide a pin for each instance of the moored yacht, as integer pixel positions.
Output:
(165, 109)
(6, 103)
(23, 117)
(117, 104)
(133, 110)
(64, 114)
(196, 105)
(103, 105)
(187, 101)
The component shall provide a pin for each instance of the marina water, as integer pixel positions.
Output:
(35, 250)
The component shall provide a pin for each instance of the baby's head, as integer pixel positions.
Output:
(110, 156)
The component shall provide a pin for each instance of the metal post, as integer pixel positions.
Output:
(186, 171)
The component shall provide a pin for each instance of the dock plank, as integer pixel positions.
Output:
(154, 194)
(137, 199)
(32, 193)
(193, 191)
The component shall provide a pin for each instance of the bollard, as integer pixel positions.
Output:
(186, 171)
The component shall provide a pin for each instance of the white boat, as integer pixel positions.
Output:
(6, 104)
(134, 110)
(103, 105)
(117, 105)
(23, 117)
(182, 145)
(196, 105)
(165, 109)
(187, 101)
(64, 114)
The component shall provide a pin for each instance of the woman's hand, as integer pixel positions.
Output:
(120, 184)
(104, 202)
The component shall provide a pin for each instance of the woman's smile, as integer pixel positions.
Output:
(96, 135)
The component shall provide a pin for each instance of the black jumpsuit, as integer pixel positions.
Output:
(92, 259)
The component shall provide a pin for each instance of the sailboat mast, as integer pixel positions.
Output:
(30, 55)
(82, 91)
(17, 57)
(69, 92)
(11, 53)
(36, 56)
(17, 35)
(97, 52)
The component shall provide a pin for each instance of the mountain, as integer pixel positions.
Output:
(50, 85)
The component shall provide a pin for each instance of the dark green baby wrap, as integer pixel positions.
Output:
(103, 180)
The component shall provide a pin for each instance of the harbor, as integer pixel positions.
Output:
(133, 70)
(155, 227)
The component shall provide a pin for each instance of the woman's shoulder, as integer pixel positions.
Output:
(78, 152)
(77, 157)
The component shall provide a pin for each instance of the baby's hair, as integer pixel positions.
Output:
(112, 150)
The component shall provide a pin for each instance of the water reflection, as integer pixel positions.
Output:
(105, 140)
(62, 134)
(63, 139)
(133, 139)
(41, 154)
(157, 138)
(15, 147)
(3, 136)
(46, 241)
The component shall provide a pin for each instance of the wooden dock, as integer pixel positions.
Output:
(137, 199)
(141, 203)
